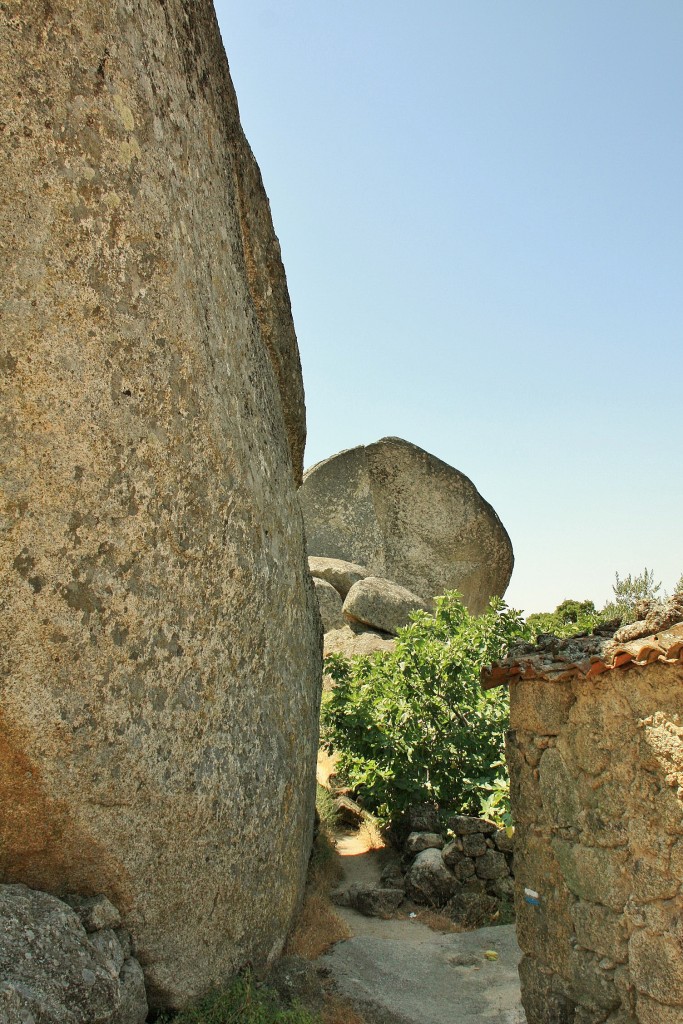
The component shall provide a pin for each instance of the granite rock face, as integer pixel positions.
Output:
(407, 516)
(54, 968)
(160, 636)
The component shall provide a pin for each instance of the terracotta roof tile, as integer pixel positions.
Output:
(588, 656)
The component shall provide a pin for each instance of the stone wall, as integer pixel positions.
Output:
(161, 644)
(596, 770)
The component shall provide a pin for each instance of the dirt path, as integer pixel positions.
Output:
(401, 972)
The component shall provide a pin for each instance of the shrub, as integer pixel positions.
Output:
(413, 725)
(568, 619)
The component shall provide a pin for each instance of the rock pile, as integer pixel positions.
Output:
(401, 514)
(361, 613)
(467, 873)
(66, 961)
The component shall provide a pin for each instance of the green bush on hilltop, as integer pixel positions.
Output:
(413, 725)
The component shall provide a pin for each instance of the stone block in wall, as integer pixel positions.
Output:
(491, 864)
(474, 845)
(525, 799)
(656, 965)
(652, 879)
(592, 985)
(539, 706)
(467, 824)
(594, 874)
(544, 926)
(601, 930)
(558, 790)
(542, 995)
(504, 842)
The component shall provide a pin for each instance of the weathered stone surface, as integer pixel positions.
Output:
(330, 604)
(381, 604)
(474, 845)
(558, 790)
(423, 818)
(341, 575)
(453, 855)
(601, 930)
(375, 902)
(656, 965)
(473, 909)
(504, 842)
(596, 773)
(95, 912)
(52, 970)
(540, 706)
(429, 880)
(408, 517)
(159, 635)
(353, 642)
(465, 824)
(543, 998)
(491, 864)
(598, 876)
(418, 841)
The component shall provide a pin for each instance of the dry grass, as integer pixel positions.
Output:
(338, 1011)
(436, 921)
(318, 927)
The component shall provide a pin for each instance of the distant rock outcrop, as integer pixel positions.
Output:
(406, 516)
(161, 663)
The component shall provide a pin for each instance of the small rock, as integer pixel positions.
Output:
(95, 912)
(465, 824)
(348, 811)
(503, 841)
(423, 818)
(502, 888)
(429, 880)
(472, 910)
(474, 845)
(418, 841)
(492, 865)
(374, 902)
(392, 876)
(52, 970)
(452, 852)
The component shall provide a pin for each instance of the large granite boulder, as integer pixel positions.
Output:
(58, 967)
(160, 637)
(381, 604)
(407, 516)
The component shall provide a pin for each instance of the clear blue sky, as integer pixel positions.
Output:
(480, 211)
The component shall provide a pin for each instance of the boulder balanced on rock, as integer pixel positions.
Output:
(408, 517)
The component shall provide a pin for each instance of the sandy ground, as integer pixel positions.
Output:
(401, 972)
